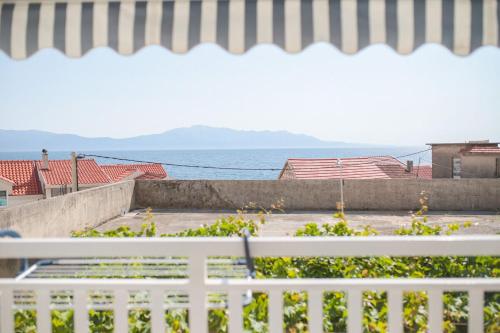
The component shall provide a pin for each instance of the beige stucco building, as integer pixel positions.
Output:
(473, 159)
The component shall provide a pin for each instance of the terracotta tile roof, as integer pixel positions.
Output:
(149, 175)
(118, 172)
(423, 171)
(481, 149)
(124, 174)
(399, 171)
(23, 174)
(383, 167)
(59, 172)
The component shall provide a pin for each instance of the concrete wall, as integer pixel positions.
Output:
(479, 166)
(6, 186)
(376, 194)
(22, 199)
(442, 159)
(57, 217)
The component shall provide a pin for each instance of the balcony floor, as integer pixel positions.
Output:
(171, 221)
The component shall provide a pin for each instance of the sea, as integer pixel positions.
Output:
(229, 158)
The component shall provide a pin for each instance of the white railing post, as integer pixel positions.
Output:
(276, 311)
(315, 311)
(435, 319)
(395, 305)
(81, 312)
(6, 313)
(157, 311)
(354, 311)
(120, 306)
(43, 315)
(198, 313)
(235, 300)
(476, 310)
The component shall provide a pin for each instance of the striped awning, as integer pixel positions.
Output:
(76, 26)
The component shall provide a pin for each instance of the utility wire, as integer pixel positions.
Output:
(181, 165)
(381, 158)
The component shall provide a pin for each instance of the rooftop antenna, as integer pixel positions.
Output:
(418, 166)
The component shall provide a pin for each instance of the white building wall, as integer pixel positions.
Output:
(7, 188)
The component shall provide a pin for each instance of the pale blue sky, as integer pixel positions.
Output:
(376, 96)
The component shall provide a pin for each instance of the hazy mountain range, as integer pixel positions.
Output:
(195, 137)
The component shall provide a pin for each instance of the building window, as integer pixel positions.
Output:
(3, 198)
(457, 168)
(498, 168)
(59, 191)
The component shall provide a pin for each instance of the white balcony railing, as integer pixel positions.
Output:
(197, 283)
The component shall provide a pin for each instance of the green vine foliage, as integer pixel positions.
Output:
(255, 314)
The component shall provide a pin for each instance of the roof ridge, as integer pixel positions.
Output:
(67, 160)
(342, 158)
(125, 164)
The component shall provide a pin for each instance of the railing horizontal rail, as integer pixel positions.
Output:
(363, 284)
(489, 284)
(112, 284)
(265, 246)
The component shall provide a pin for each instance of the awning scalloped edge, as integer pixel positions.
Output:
(75, 27)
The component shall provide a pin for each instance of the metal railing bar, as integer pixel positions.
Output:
(354, 311)
(6, 313)
(142, 260)
(265, 246)
(407, 284)
(93, 284)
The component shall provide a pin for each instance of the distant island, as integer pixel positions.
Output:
(195, 137)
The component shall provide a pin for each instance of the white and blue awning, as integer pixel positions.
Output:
(77, 26)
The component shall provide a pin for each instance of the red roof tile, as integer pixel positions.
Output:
(59, 172)
(423, 171)
(118, 172)
(399, 171)
(148, 175)
(24, 176)
(132, 173)
(383, 167)
(482, 149)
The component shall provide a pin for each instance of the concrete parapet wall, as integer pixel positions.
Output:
(58, 216)
(366, 194)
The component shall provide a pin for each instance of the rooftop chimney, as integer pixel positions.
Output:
(409, 166)
(45, 159)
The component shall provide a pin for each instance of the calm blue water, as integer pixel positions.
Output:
(245, 158)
